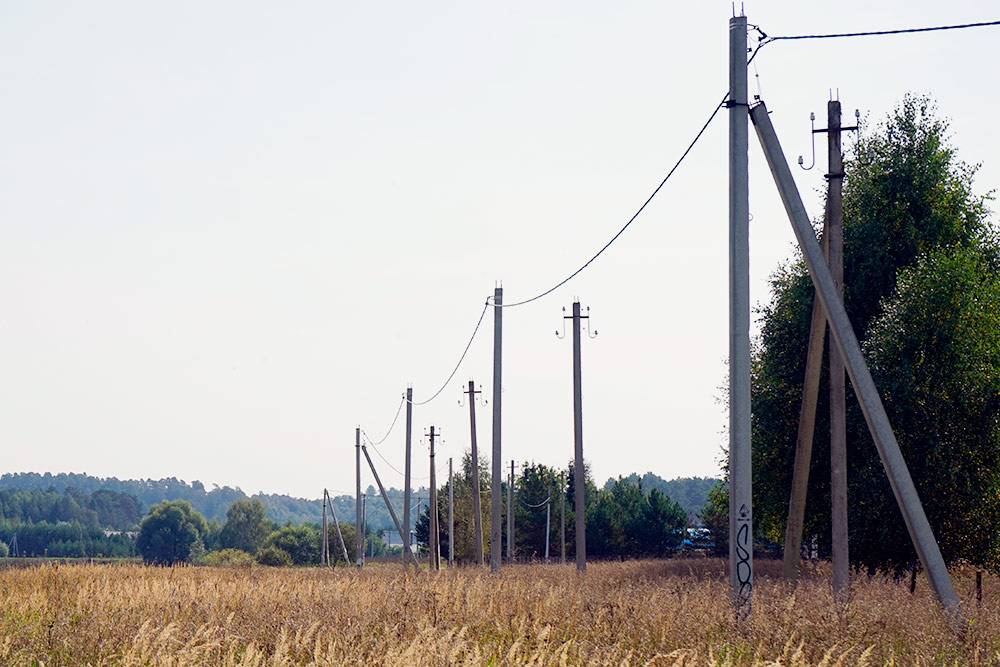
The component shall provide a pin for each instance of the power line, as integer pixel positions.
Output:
(575, 273)
(635, 215)
(399, 409)
(875, 33)
(460, 360)
(536, 506)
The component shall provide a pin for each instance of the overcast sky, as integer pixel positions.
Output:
(231, 231)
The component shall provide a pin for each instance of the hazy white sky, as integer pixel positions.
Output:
(230, 231)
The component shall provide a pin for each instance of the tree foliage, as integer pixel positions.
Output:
(246, 527)
(170, 533)
(911, 220)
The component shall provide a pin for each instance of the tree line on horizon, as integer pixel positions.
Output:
(60, 520)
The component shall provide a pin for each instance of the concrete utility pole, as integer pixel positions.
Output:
(435, 536)
(340, 534)
(833, 243)
(451, 516)
(562, 519)
(864, 386)
(548, 515)
(325, 543)
(364, 525)
(579, 474)
(385, 498)
(359, 542)
(510, 514)
(404, 534)
(838, 398)
(740, 471)
(496, 464)
(804, 439)
(477, 507)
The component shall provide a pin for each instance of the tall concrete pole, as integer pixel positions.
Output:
(804, 439)
(477, 506)
(562, 518)
(405, 532)
(385, 496)
(340, 534)
(364, 525)
(451, 516)
(496, 464)
(838, 397)
(359, 542)
(864, 386)
(579, 476)
(510, 514)
(548, 515)
(435, 533)
(740, 471)
(325, 542)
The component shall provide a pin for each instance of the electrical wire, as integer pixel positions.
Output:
(876, 33)
(460, 360)
(635, 215)
(391, 426)
(541, 504)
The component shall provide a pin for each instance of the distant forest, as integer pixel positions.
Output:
(211, 503)
(111, 503)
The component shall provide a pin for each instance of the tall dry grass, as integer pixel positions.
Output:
(658, 613)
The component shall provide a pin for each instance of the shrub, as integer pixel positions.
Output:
(274, 557)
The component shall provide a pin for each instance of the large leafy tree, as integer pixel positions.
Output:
(246, 527)
(301, 543)
(170, 532)
(907, 197)
(935, 353)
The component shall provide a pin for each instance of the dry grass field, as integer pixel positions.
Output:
(639, 613)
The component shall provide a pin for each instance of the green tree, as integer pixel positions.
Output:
(465, 529)
(170, 532)
(301, 543)
(625, 522)
(663, 524)
(536, 483)
(906, 197)
(935, 354)
(246, 527)
(274, 557)
(715, 517)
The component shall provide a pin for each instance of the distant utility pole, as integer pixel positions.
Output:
(548, 514)
(325, 543)
(833, 249)
(579, 475)
(510, 514)
(404, 534)
(451, 516)
(740, 470)
(364, 525)
(562, 518)
(497, 478)
(359, 542)
(477, 507)
(435, 536)
(336, 522)
(385, 498)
